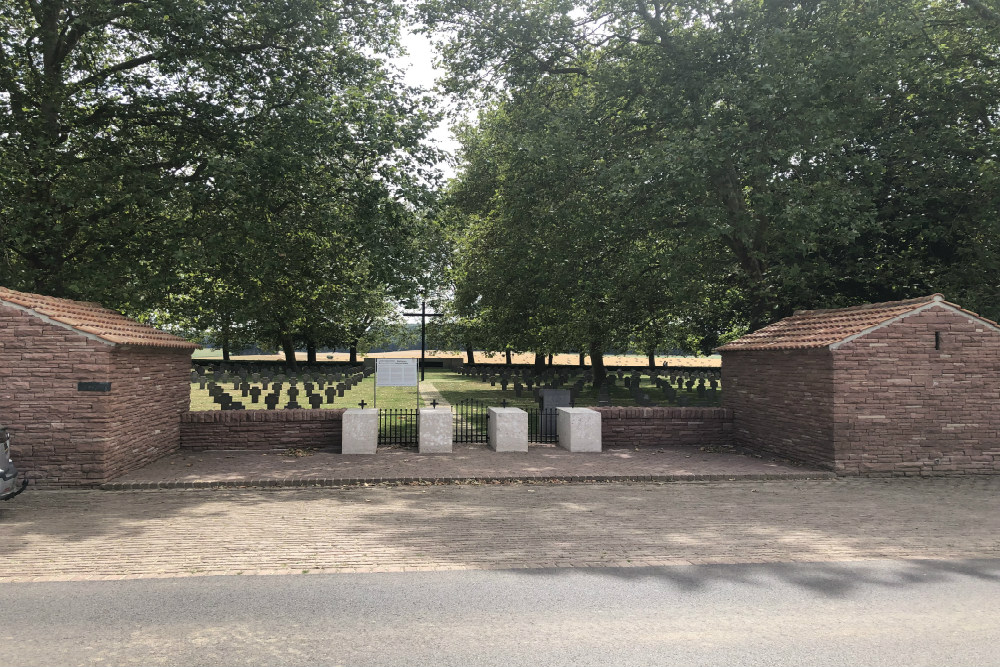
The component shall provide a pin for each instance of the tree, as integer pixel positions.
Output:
(248, 167)
(784, 155)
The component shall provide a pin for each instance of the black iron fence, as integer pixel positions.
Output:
(543, 425)
(470, 418)
(397, 426)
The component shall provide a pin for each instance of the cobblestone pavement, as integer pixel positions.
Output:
(466, 462)
(67, 535)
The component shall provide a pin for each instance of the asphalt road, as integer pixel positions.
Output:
(868, 612)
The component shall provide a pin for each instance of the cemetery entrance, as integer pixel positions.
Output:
(471, 421)
(398, 426)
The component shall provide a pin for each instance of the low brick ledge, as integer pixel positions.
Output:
(298, 482)
(665, 413)
(242, 416)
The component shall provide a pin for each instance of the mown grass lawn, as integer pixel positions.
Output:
(453, 387)
(387, 397)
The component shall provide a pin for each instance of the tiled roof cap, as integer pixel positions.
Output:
(93, 320)
(822, 328)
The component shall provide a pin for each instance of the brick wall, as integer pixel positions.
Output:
(665, 426)
(62, 436)
(150, 391)
(59, 435)
(903, 407)
(261, 429)
(782, 402)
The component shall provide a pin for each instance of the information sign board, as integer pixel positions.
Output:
(395, 372)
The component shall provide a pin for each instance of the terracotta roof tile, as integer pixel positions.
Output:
(821, 328)
(94, 319)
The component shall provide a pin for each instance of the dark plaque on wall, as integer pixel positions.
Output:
(93, 386)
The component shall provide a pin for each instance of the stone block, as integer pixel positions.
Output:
(360, 431)
(579, 429)
(508, 430)
(435, 428)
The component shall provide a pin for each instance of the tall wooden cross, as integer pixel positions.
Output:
(423, 315)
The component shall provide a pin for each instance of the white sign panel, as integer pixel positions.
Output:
(395, 372)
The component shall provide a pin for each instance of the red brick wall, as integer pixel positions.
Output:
(58, 434)
(65, 437)
(781, 402)
(905, 408)
(261, 429)
(664, 426)
(150, 391)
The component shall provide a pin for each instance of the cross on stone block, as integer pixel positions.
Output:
(362, 404)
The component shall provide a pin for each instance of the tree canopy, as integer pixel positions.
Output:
(702, 168)
(255, 170)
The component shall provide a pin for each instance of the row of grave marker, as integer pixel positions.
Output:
(705, 384)
(325, 386)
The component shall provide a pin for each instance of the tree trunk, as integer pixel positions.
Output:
(652, 358)
(539, 361)
(508, 357)
(354, 353)
(470, 355)
(310, 351)
(288, 348)
(583, 360)
(224, 339)
(597, 363)
(550, 360)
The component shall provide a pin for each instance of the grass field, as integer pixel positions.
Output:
(451, 386)
(483, 358)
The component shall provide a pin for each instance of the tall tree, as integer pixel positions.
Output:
(786, 154)
(257, 158)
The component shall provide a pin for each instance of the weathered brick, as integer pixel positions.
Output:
(904, 408)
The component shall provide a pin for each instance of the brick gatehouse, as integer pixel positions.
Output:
(87, 393)
(903, 387)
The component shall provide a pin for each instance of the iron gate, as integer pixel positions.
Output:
(543, 425)
(397, 426)
(471, 420)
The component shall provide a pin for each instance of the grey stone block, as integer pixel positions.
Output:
(360, 431)
(435, 428)
(508, 430)
(579, 429)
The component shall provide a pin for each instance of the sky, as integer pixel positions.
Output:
(419, 70)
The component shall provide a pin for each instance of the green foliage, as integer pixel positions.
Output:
(701, 169)
(255, 171)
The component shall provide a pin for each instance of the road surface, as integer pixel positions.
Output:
(877, 612)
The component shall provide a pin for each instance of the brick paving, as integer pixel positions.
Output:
(467, 462)
(93, 534)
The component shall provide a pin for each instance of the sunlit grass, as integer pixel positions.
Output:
(453, 387)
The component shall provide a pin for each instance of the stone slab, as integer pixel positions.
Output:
(435, 429)
(360, 431)
(579, 429)
(508, 430)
